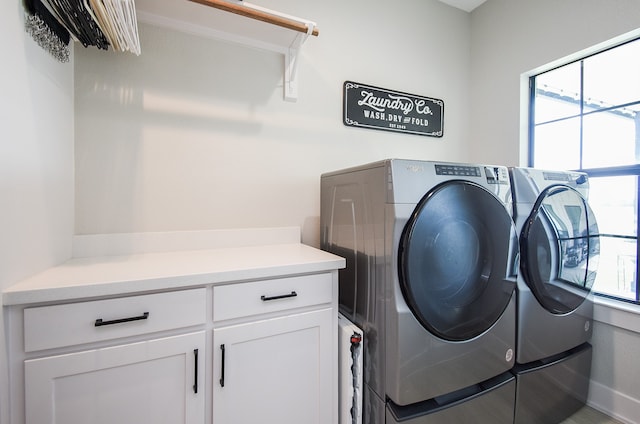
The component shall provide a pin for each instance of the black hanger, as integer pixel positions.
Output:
(46, 30)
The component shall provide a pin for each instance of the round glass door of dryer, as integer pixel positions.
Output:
(560, 246)
(457, 260)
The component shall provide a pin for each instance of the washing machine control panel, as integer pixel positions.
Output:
(494, 174)
(459, 170)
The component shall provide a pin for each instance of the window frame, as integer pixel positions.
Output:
(612, 171)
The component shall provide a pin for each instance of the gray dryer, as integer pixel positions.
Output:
(559, 246)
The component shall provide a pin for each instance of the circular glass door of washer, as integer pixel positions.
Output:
(560, 247)
(458, 260)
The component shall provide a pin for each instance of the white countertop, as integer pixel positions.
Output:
(87, 277)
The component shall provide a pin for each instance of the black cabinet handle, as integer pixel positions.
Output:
(282, 296)
(100, 322)
(195, 371)
(222, 368)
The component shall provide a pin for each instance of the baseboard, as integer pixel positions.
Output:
(613, 403)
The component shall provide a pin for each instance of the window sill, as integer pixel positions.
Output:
(616, 313)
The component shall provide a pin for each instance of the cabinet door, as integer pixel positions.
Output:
(157, 381)
(275, 371)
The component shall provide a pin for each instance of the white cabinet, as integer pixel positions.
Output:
(156, 356)
(70, 324)
(275, 371)
(278, 366)
(156, 381)
(129, 360)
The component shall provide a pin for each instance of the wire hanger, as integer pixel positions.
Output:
(45, 29)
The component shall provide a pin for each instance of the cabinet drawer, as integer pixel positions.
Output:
(48, 327)
(246, 299)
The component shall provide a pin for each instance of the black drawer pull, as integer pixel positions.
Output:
(222, 366)
(195, 371)
(282, 296)
(100, 322)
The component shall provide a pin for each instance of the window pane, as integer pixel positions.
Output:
(558, 93)
(614, 202)
(609, 139)
(557, 145)
(549, 108)
(611, 77)
(616, 275)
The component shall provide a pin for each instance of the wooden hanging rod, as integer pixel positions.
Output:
(259, 15)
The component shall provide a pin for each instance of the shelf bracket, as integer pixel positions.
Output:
(291, 59)
(302, 28)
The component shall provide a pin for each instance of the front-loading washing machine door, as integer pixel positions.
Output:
(458, 260)
(559, 244)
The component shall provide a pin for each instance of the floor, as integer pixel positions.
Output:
(590, 416)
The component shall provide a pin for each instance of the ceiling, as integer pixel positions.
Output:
(466, 5)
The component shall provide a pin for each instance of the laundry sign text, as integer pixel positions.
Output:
(382, 109)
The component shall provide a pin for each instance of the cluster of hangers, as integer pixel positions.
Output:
(100, 23)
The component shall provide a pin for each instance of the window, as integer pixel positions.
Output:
(585, 116)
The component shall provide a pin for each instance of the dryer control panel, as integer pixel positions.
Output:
(496, 174)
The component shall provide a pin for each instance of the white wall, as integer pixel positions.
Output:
(194, 134)
(36, 161)
(513, 37)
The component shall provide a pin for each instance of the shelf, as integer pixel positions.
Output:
(262, 14)
(238, 22)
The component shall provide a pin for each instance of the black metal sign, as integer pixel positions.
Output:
(381, 109)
